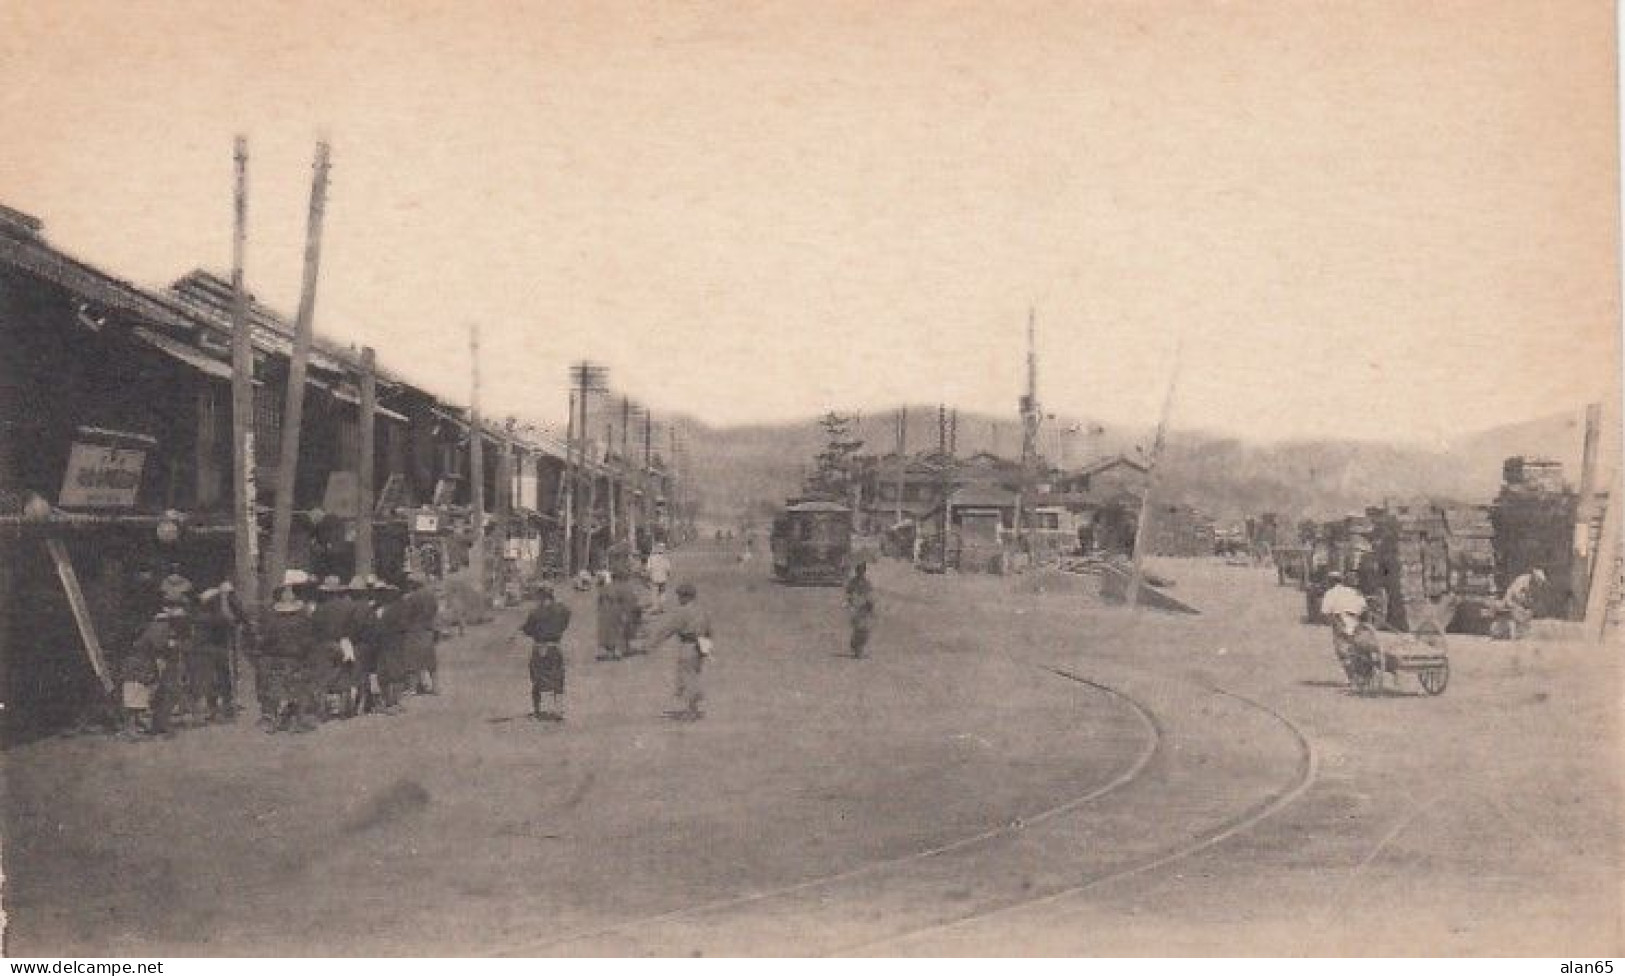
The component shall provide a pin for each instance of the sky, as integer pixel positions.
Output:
(1384, 220)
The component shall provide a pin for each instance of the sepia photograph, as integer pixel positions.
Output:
(804, 478)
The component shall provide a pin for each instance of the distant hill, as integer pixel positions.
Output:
(753, 468)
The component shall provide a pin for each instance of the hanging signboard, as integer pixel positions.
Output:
(104, 470)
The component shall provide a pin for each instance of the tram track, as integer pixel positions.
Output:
(1308, 768)
(1150, 747)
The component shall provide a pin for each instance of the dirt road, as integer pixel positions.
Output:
(1010, 772)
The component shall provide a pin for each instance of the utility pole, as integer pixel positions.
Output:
(586, 378)
(364, 464)
(1133, 595)
(293, 410)
(902, 460)
(1583, 561)
(572, 479)
(1030, 414)
(245, 522)
(476, 468)
(944, 481)
(648, 468)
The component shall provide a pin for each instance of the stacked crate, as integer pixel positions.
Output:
(1413, 558)
(1534, 529)
(1470, 539)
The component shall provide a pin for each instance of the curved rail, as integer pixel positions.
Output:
(1153, 742)
(1308, 768)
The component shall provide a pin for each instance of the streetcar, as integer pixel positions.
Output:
(812, 543)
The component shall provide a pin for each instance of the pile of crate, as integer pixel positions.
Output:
(1412, 552)
(1533, 519)
(1470, 541)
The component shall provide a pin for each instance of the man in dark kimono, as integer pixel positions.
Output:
(545, 627)
(393, 622)
(286, 642)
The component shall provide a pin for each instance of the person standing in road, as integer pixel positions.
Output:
(545, 627)
(659, 570)
(691, 625)
(631, 608)
(860, 607)
(422, 617)
(392, 620)
(1344, 608)
(611, 623)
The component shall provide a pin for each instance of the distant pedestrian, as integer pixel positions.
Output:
(860, 607)
(659, 570)
(691, 625)
(611, 621)
(626, 598)
(545, 627)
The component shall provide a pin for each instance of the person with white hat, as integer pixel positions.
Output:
(286, 637)
(335, 622)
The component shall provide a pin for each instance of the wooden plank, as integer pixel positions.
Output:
(81, 611)
(1114, 588)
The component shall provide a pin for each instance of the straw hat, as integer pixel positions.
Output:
(358, 584)
(331, 584)
(295, 577)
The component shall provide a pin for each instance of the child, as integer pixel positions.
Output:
(140, 673)
(545, 627)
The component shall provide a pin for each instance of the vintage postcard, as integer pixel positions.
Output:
(790, 478)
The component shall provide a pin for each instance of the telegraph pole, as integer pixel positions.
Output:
(364, 464)
(476, 468)
(902, 460)
(1133, 595)
(293, 411)
(1583, 553)
(585, 378)
(245, 523)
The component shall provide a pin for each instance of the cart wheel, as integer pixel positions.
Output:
(1435, 678)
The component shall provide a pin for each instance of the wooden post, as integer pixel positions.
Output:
(569, 489)
(293, 410)
(364, 464)
(1582, 556)
(81, 611)
(476, 470)
(902, 461)
(1603, 575)
(245, 521)
(1133, 595)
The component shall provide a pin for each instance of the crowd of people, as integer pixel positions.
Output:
(332, 650)
(319, 651)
